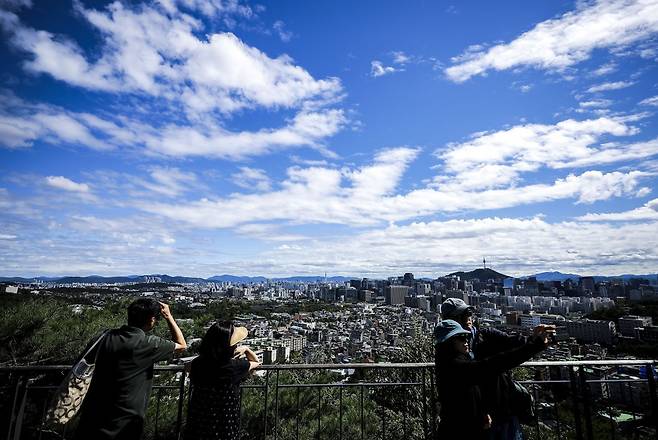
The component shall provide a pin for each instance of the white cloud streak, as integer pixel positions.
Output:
(377, 69)
(564, 41)
(647, 212)
(650, 101)
(22, 124)
(252, 179)
(63, 183)
(616, 85)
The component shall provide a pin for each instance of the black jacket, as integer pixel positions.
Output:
(496, 390)
(463, 409)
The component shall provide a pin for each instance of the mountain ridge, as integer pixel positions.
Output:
(480, 273)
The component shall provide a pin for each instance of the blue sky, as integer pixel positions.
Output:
(357, 138)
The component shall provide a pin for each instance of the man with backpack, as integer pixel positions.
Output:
(115, 405)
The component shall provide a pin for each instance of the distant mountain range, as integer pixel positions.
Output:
(169, 279)
(559, 276)
(481, 274)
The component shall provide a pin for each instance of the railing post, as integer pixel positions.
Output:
(20, 415)
(425, 429)
(653, 400)
(181, 399)
(12, 415)
(340, 411)
(383, 421)
(576, 404)
(276, 406)
(405, 424)
(433, 400)
(535, 392)
(267, 385)
(613, 429)
(297, 415)
(587, 403)
(319, 409)
(362, 418)
(157, 413)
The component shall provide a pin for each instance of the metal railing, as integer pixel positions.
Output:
(583, 400)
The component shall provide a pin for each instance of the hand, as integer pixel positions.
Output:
(487, 421)
(543, 332)
(240, 351)
(164, 311)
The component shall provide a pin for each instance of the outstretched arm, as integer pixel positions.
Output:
(174, 330)
(473, 372)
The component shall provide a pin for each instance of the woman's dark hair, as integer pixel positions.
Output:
(141, 311)
(215, 344)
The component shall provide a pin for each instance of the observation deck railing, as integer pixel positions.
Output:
(583, 400)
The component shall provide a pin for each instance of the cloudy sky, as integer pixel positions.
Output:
(202, 137)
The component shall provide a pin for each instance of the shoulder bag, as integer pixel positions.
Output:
(70, 394)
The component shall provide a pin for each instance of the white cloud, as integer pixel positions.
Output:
(61, 182)
(400, 57)
(605, 69)
(368, 196)
(22, 123)
(650, 101)
(268, 232)
(17, 132)
(512, 246)
(7, 237)
(252, 179)
(595, 103)
(131, 232)
(305, 129)
(211, 8)
(564, 41)
(616, 85)
(149, 51)
(647, 212)
(377, 69)
(169, 182)
(496, 159)
(280, 28)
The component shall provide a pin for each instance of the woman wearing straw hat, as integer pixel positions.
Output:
(214, 408)
(463, 413)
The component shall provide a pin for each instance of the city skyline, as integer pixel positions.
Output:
(230, 137)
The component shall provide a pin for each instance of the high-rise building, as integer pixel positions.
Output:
(590, 330)
(628, 324)
(394, 295)
(587, 284)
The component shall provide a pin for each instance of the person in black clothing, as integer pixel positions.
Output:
(115, 405)
(497, 390)
(214, 408)
(464, 412)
